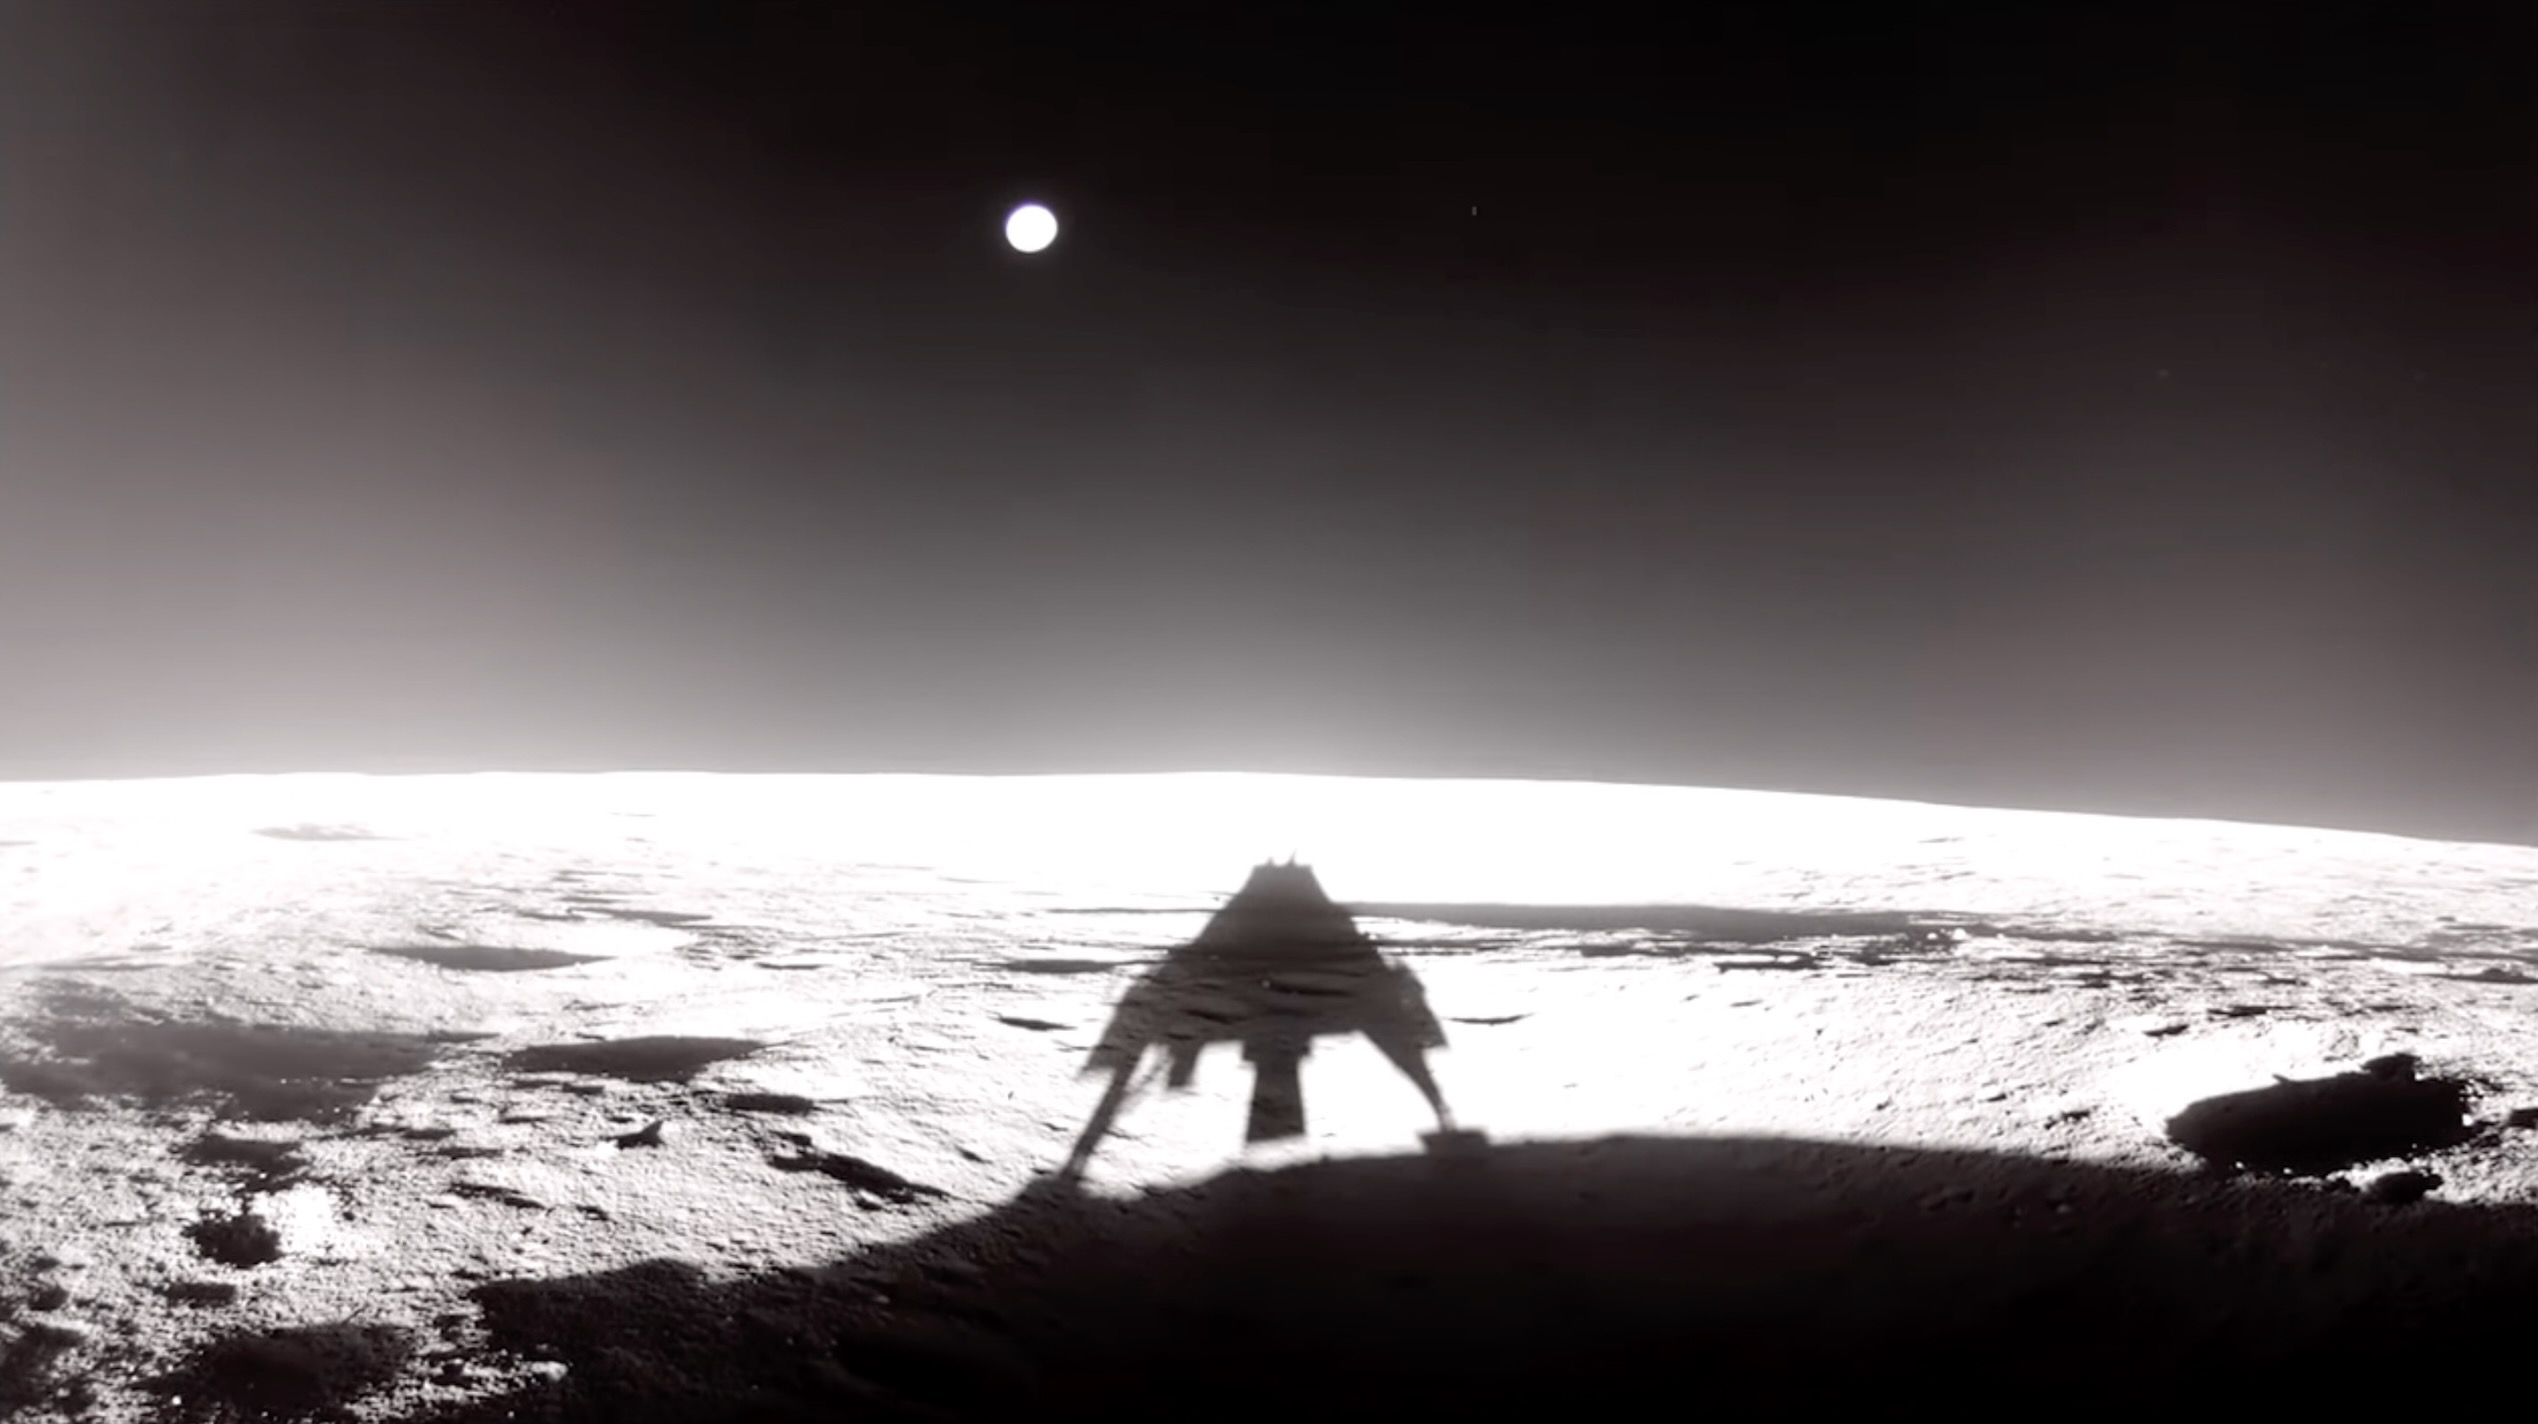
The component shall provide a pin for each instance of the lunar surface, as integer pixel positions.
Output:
(657, 1096)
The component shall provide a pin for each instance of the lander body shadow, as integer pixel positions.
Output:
(1278, 966)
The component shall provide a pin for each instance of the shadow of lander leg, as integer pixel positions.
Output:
(1277, 1093)
(1412, 1060)
(1105, 1114)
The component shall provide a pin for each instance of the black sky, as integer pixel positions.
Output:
(2111, 408)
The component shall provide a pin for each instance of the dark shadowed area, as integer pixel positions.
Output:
(1561, 1276)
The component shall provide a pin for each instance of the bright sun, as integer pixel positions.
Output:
(1030, 227)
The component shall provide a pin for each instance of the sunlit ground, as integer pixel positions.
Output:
(913, 971)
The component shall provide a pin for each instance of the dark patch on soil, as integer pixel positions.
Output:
(609, 907)
(104, 1049)
(486, 958)
(318, 833)
(491, 1191)
(242, 1240)
(271, 1164)
(296, 1373)
(865, 1178)
(29, 1371)
(2317, 1125)
(212, 1293)
(1716, 924)
(667, 1059)
(2498, 974)
(788, 1104)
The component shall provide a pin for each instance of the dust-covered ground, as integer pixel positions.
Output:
(458, 1098)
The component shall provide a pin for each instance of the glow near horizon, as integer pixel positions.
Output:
(1195, 834)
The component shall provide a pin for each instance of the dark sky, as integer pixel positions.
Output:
(2105, 408)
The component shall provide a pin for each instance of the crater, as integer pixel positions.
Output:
(2312, 1126)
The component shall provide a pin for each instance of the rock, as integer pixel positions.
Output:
(60, 1334)
(51, 1295)
(550, 1371)
(202, 1292)
(2400, 1188)
(2392, 1065)
(2522, 1117)
(649, 1135)
(2149, 1025)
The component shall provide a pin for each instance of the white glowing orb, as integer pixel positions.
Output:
(1030, 227)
